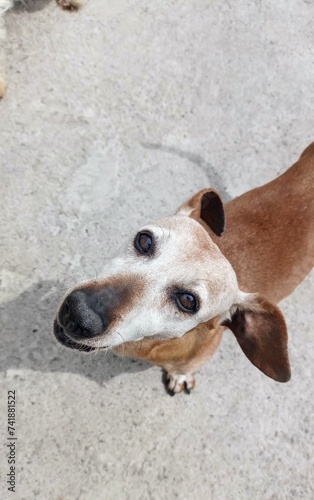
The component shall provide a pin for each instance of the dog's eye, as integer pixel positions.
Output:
(186, 302)
(144, 243)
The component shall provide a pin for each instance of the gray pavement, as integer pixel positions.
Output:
(113, 117)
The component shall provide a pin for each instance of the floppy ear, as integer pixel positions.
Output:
(261, 331)
(208, 207)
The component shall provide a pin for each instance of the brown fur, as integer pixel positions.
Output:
(261, 332)
(180, 354)
(269, 240)
(270, 232)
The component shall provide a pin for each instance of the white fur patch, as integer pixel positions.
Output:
(185, 259)
(178, 382)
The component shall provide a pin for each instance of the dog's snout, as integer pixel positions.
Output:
(80, 315)
(92, 311)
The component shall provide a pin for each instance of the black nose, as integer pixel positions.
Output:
(80, 315)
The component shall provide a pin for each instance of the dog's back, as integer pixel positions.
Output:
(269, 238)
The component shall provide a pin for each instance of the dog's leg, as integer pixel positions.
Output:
(179, 382)
(188, 357)
(70, 4)
(180, 358)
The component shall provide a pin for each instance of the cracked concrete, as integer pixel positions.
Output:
(113, 117)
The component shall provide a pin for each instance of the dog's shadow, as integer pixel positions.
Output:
(28, 341)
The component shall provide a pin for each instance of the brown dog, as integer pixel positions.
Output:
(175, 277)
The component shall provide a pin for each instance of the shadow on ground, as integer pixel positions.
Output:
(28, 341)
(214, 177)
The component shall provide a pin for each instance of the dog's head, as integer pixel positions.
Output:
(169, 277)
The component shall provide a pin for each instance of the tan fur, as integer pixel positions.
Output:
(181, 355)
(269, 241)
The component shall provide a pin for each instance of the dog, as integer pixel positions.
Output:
(180, 282)
(5, 5)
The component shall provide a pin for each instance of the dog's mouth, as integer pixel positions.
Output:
(63, 338)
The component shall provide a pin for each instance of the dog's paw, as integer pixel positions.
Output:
(178, 382)
(3, 87)
(70, 4)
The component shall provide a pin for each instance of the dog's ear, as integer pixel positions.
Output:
(261, 332)
(208, 207)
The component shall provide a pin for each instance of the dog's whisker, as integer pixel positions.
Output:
(51, 293)
(83, 274)
(96, 350)
(123, 341)
(71, 277)
(96, 273)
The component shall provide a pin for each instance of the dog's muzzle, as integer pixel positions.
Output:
(94, 310)
(87, 313)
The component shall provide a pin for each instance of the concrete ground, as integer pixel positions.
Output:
(113, 117)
